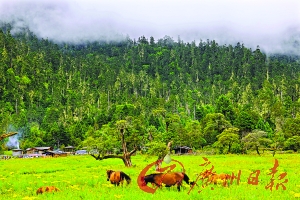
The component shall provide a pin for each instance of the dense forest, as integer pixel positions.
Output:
(203, 95)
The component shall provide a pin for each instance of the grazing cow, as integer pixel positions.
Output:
(117, 177)
(213, 177)
(169, 179)
(224, 177)
(41, 190)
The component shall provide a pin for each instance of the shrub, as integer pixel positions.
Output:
(289, 151)
(236, 148)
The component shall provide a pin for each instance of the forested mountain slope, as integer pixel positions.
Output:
(160, 89)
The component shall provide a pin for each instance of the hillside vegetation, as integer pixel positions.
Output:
(197, 94)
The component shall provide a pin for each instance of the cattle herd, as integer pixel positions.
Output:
(156, 179)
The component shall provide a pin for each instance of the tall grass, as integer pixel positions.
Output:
(83, 177)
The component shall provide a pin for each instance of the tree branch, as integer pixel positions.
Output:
(169, 145)
(99, 157)
(7, 135)
(133, 151)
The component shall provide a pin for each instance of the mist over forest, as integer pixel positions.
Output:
(273, 25)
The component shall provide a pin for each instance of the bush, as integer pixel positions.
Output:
(236, 148)
(157, 149)
(208, 150)
(289, 151)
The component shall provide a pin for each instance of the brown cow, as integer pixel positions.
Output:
(117, 177)
(41, 190)
(213, 177)
(169, 179)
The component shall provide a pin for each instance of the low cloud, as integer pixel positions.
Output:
(274, 25)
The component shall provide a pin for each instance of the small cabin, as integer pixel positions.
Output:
(38, 150)
(17, 152)
(182, 150)
(56, 153)
(69, 150)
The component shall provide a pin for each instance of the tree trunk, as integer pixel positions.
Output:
(229, 147)
(257, 150)
(127, 160)
(126, 156)
(274, 152)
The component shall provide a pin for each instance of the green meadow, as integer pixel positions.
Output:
(83, 177)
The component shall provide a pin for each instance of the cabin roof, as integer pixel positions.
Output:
(17, 150)
(69, 147)
(38, 148)
(42, 148)
(182, 147)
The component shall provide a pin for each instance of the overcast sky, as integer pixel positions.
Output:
(267, 23)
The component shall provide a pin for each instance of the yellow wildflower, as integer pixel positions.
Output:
(75, 187)
(118, 196)
(297, 195)
(29, 198)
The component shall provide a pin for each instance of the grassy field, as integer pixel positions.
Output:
(82, 177)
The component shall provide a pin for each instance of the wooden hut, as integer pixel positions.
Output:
(56, 153)
(38, 150)
(17, 152)
(182, 150)
(69, 150)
